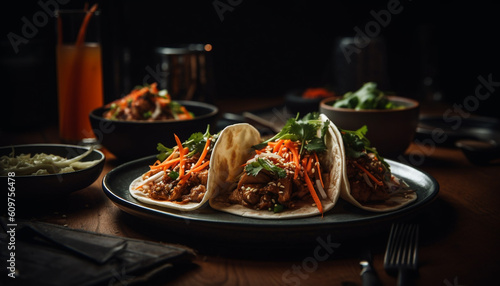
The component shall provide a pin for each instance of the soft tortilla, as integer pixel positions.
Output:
(223, 165)
(331, 161)
(393, 203)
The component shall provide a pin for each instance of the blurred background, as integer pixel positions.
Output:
(432, 51)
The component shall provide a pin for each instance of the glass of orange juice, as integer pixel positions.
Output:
(79, 73)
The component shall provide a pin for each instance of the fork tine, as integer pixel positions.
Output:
(407, 240)
(401, 252)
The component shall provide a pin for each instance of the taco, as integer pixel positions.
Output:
(367, 179)
(182, 177)
(296, 173)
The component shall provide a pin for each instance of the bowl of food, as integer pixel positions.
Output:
(131, 127)
(48, 170)
(307, 100)
(391, 120)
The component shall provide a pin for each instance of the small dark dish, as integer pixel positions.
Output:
(134, 139)
(447, 131)
(295, 101)
(480, 152)
(46, 186)
(389, 130)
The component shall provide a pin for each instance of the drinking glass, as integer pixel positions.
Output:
(79, 73)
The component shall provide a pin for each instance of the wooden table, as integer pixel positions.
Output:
(458, 243)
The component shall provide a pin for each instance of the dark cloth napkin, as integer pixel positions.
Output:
(48, 254)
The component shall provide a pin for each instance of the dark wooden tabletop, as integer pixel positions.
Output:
(459, 233)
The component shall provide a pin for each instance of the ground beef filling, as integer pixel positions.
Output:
(364, 189)
(192, 190)
(263, 191)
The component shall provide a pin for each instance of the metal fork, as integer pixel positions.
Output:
(401, 253)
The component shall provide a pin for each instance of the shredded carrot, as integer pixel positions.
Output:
(154, 87)
(313, 193)
(304, 163)
(293, 148)
(282, 149)
(181, 156)
(203, 154)
(165, 164)
(278, 146)
(318, 169)
(185, 114)
(309, 164)
(196, 169)
(171, 156)
(378, 182)
(138, 92)
(201, 167)
(155, 163)
(168, 162)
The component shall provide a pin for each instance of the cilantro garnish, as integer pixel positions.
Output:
(367, 97)
(164, 152)
(195, 143)
(356, 143)
(256, 166)
(174, 175)
(304, 130)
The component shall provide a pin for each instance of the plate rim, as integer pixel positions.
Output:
(141, 210)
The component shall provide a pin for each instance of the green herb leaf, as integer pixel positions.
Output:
(164, 152)
(367, 97)
(278, 208)
(256, 166)
(195, 143)
(356, 144)
(147, 114)
(174, 175)
(304, 130)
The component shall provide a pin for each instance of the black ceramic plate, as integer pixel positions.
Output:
(343, 221)
(46, 186)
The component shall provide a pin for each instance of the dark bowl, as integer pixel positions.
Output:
(389, 130)
(129, 140)
(47, 186)
(296, 103)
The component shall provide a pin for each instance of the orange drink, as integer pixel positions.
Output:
(79, 71)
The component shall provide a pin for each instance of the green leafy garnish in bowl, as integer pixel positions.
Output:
(367, 97)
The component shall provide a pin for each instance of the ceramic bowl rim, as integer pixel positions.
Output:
(411, 104)
(214, 110)
(102, 157)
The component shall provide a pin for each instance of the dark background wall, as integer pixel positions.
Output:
(260, 48)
